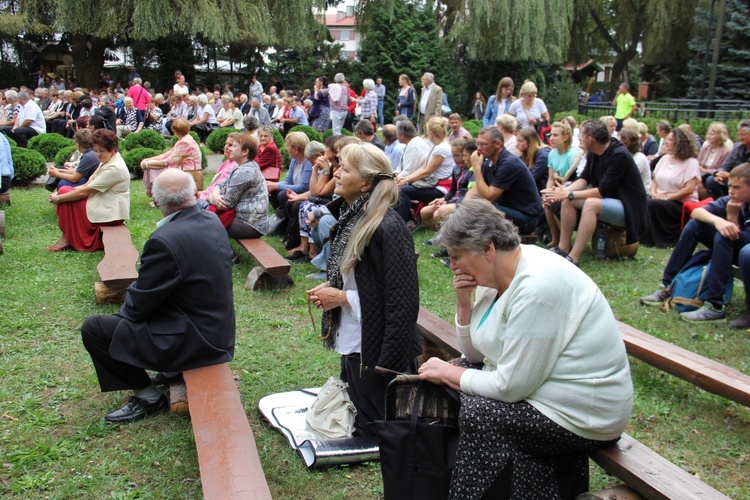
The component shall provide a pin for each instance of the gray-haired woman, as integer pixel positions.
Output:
(544, 377)
(371, 298)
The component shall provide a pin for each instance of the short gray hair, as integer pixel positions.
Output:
(494, 133)
(11, 95)
(368, 84)
(475, 224)
(406, 129)
(314, 149)
(24, 95)
(137, 81)
(429, 77)
(250, 123)
(203, 99)
(743, 124)
(170, 200)
(339, 78)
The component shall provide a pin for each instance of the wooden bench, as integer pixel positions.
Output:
(2, 224)
(699, 371)
(5, 199)
(272, 272)
(117, 268)
(230, 467)
(639, 467)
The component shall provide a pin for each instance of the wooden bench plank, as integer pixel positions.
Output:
(272, 272)
(229, 463)
(702, 372)
(117, 268)
(438, 331)
(648, 473)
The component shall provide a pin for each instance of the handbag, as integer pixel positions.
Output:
(332, 413)
(197, 176)
(225, 216)
(51, 183)
(418, 439)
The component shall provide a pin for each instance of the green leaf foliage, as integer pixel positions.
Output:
(204, 157)
(146, 138)
(134, 157)
(310, 132)
(28, 165)
(193, 134)
(472, 126)
(216, 139)
(49, 144)
(64, 155)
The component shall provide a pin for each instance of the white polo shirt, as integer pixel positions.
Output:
(32, 111)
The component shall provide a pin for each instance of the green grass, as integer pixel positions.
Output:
(53, 443)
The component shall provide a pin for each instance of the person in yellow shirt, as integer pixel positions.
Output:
(625, 104)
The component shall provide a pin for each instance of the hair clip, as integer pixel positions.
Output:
(382, 176)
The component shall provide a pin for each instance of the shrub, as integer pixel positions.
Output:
(278, 139)
(64, 155)
(150, 139)
(28, 165)
(310, 132)
(193, 134)
(328, 133)
(216, 139)
(12, 143)
(49, 144)
(472, 127)
(204, 157)
(134, 157)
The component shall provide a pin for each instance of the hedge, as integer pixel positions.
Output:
(64, 155)
(193, 134)
(134, 157)
(28, 165)
(150, 139)
(328, 133)
(217, 138)
(204, 157)
(12, 142)
(310, 132)
(49, 144)
(472, 127)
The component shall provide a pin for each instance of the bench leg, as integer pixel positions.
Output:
(2, 224)
(106, 295)
(259, 279)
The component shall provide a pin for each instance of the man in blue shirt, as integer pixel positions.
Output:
(724, 227)
(6, 165)
(380, 91)
(505, 181)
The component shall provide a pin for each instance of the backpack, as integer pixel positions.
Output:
(689, 288)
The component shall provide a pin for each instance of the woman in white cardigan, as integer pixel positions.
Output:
(544, 377)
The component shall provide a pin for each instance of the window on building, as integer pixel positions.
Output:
(344, 35)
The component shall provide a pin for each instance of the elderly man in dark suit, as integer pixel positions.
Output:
(178, 315)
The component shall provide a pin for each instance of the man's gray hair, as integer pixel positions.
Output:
(250, 123)
(474, 225)
(314, 149)
(743, 124)
(23, 95)
(339, 78)
(104, 99)
(406, 129)
(429, 77)
(169, 200)
(364, 127)
(368, 84)
(495, 133)
(137, 81)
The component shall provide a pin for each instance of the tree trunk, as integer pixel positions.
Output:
(88, 61)
(618, 71)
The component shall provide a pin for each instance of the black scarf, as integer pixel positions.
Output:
(349, 216)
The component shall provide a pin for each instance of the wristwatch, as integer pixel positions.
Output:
(571, 195)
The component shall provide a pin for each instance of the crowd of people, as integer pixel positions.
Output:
(348, 204)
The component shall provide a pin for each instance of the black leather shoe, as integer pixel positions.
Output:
(160, 378)
(136, 409)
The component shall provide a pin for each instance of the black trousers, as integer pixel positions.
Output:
(114, 375)
(367, 392)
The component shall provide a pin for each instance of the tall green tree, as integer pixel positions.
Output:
(653, 30)
(93, 25)
(733, 72)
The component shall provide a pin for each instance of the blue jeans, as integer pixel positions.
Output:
(724, 252)
(381, 118)
(715, 189)
(321, 238)
(525, 223)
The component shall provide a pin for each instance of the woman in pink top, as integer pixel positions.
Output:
(185, 155)
(675, 182)
(224, 169)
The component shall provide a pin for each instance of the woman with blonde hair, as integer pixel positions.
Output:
(431, 180)
(715, 150)
(562, 162)
(371, 298)
(528, 109)
(508, 125)
(534, 154)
